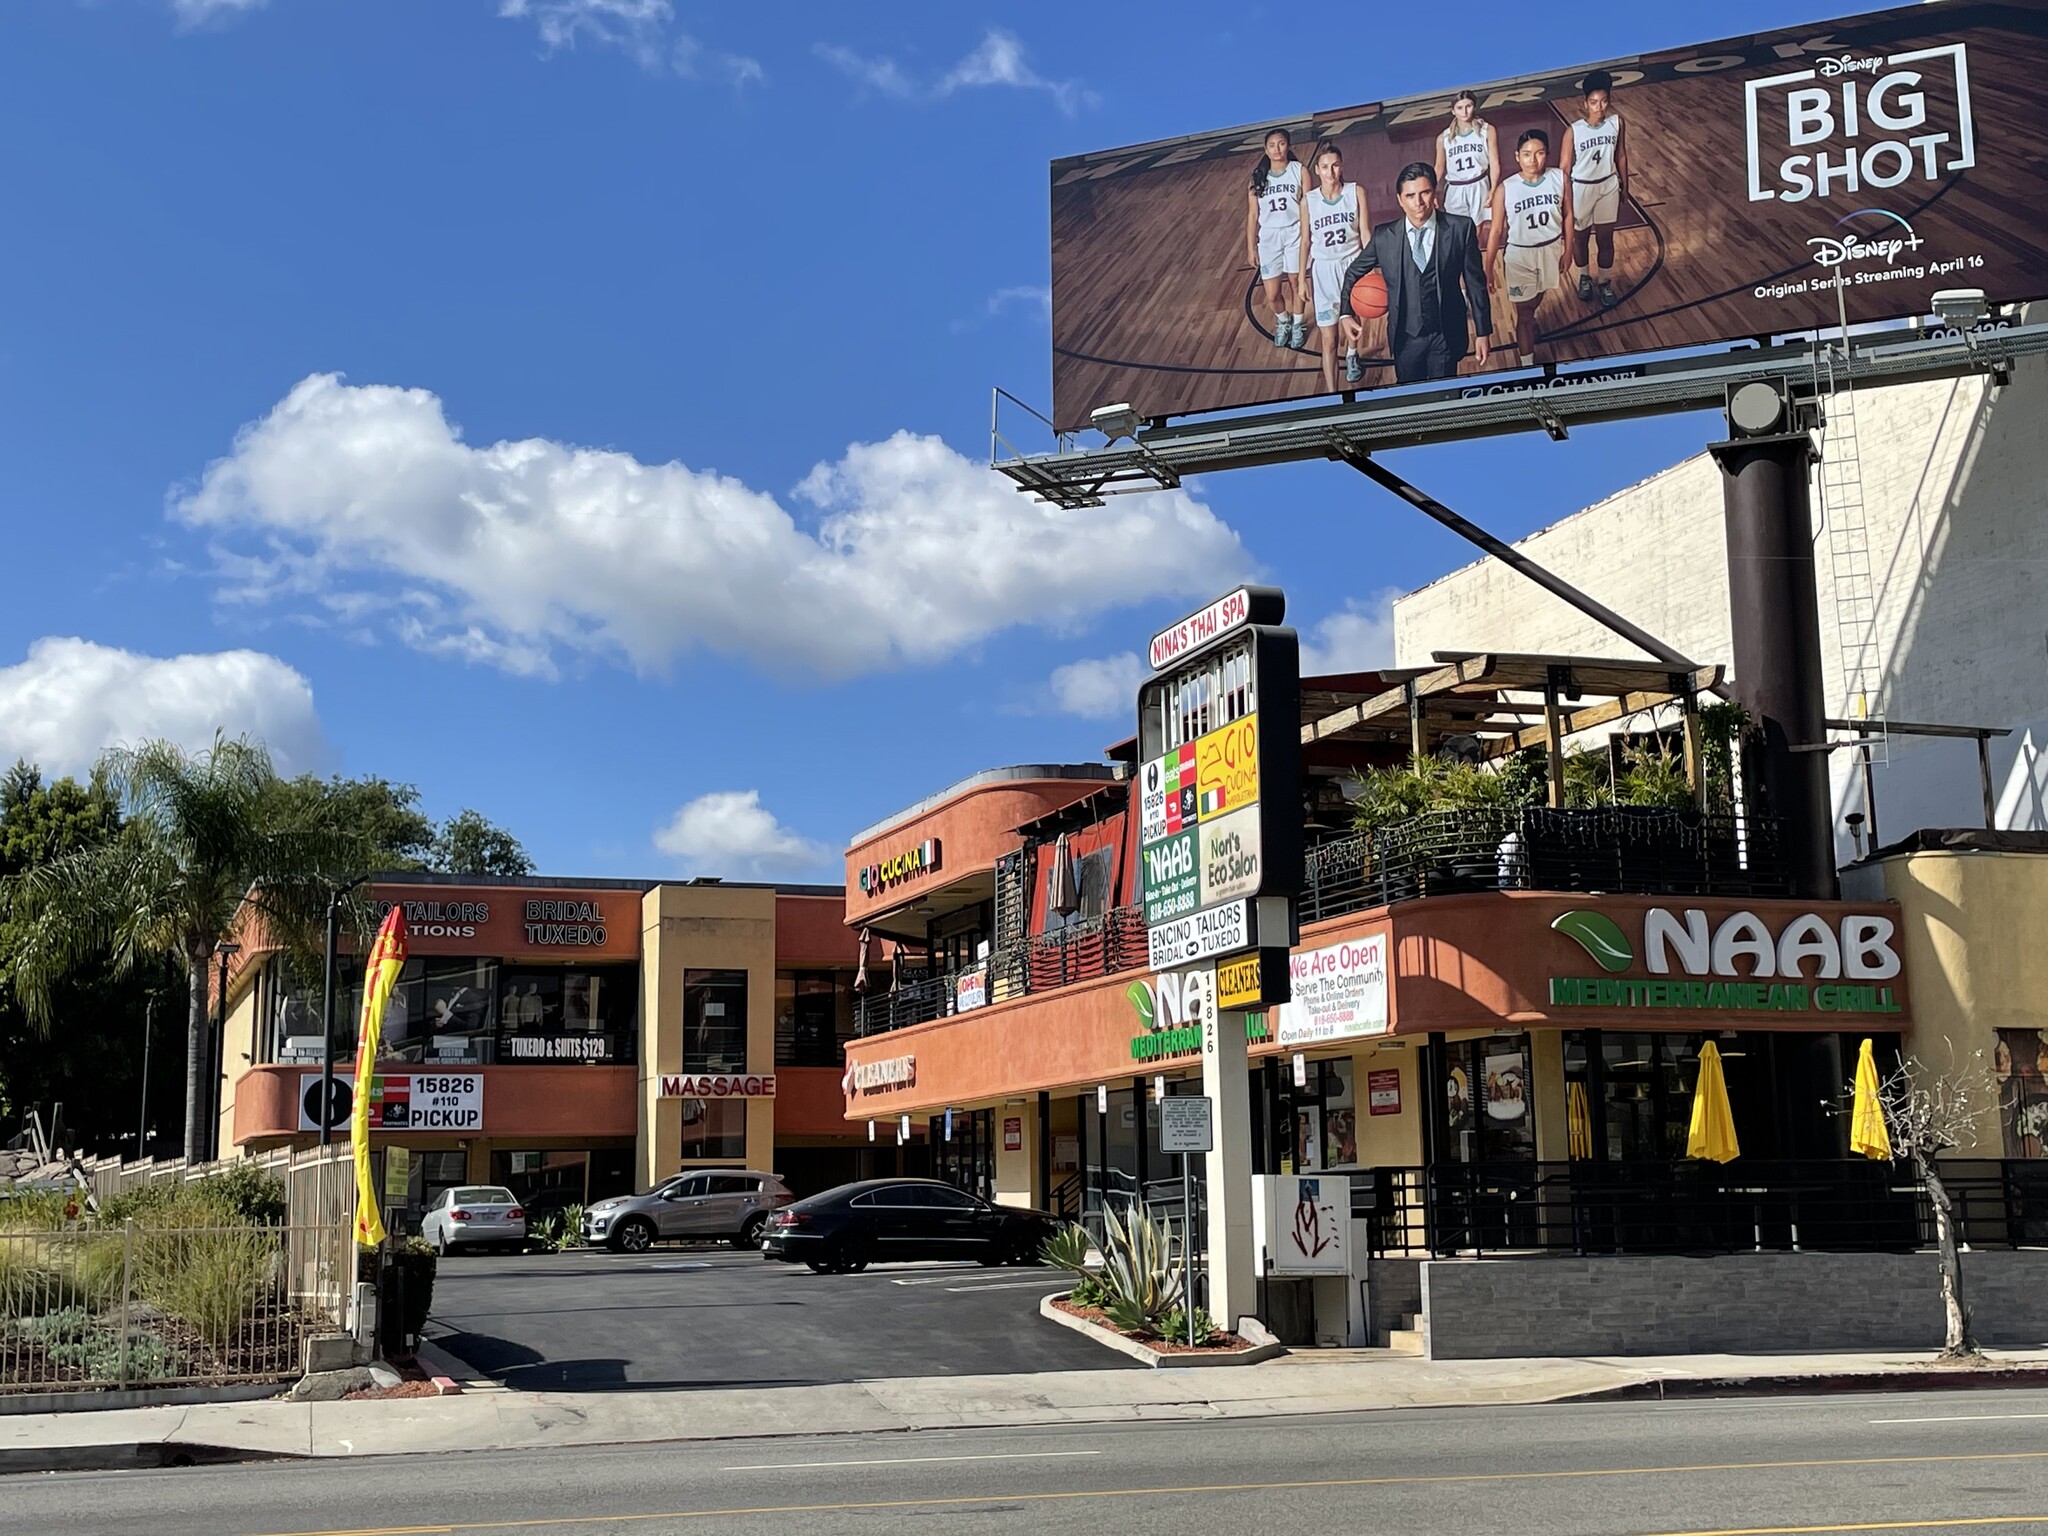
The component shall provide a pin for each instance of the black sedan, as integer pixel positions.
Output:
(878, 1220)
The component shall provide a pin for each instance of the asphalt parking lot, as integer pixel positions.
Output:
(679, 1317)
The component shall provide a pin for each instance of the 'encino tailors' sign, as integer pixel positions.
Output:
(1840, 963)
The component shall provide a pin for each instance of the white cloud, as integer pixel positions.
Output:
(1102, 688)
(1035, 298)
(637, 28)
(193, 13)
(878, 74)
(364, 502)
(1360, 639)
(1000, 61)
(72, 698)
(997, 60)
(730, 834)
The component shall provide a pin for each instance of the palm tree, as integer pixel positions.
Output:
(204, 832)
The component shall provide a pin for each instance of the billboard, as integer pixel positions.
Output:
(1708, 194)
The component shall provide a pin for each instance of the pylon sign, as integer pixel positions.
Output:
(1219, 786)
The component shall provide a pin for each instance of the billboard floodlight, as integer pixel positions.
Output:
(1120, 421)
(1961, 307)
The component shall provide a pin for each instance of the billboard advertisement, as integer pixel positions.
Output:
(1708, 194)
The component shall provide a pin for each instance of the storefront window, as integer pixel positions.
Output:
(715, 1023)
(548, 1014)
(713, 1127)
(807, 1014)
(458, 995)
(2019, 1062)
(1487, 1109)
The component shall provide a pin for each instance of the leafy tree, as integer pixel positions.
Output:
(201, 833)
(92, 1061)
(401, 836)
(468, 844)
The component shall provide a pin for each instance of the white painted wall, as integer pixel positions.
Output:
(1955, 486)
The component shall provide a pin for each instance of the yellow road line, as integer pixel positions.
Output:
(558, 1522)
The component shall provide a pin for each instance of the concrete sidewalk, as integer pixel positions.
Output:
(1323, 1381)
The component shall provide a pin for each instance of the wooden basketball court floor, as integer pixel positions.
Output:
(1154, 303)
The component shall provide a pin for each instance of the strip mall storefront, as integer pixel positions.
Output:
(570, 1040)
(1488, 1028)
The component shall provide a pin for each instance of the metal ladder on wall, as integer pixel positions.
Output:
(1013, 923)
(1848, 529)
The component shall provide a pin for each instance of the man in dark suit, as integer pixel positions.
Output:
(1427, 256)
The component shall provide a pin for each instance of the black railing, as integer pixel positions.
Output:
(1585, 1207)
(1081, 951)
(1611, 849)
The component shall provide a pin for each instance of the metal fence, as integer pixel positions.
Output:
(143, 1306)
(1533, 848)
(1839, 1205)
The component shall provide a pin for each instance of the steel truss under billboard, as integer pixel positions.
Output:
(1751, 187)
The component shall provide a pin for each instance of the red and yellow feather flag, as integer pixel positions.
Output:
(380, 975)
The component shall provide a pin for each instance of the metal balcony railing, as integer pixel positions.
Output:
(1611, 849)
(1081, 951)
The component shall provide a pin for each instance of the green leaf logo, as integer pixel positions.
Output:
(1596, 933)
(1141, 999)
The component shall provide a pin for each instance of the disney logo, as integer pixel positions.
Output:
(1849, 64)
(1830, 251)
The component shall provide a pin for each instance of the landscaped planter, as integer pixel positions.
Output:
(1247, 1347)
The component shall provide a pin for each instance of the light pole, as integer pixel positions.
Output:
(334, 901)
(227, 949)
(142, 1120)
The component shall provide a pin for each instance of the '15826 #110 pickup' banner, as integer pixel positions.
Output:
(1742, 188)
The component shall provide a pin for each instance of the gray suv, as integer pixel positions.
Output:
(701, 1205)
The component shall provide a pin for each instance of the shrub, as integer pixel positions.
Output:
(242, 1194)
(1068, 1249)
(1174, 1327)
(97, 1354)
(1138, 1271)
(417, 1258)
(210, 1278)
(35, 1210)
(1088, 1292)
(64, 1324)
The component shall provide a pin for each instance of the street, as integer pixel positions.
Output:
(1928, 1462)
(711, 1317)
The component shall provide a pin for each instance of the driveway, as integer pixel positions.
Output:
(592, 1321)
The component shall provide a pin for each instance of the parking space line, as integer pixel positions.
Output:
(1007, 1285)
(951, 1274)
(908, 1461)
(1963, 1418)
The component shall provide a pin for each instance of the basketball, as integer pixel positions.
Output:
(1369, 296)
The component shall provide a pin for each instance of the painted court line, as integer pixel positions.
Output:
(909, 1461)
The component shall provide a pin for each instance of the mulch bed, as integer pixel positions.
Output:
(1219, 1343)
(416, 1384)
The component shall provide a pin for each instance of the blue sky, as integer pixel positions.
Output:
(577, 407)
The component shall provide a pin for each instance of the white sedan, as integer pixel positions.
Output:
(473, 1215)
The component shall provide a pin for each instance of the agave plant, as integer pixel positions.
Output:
(1068, 1249)
(1138, 1272)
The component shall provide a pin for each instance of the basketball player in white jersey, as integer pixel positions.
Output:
(1532, 219)
(1596, 162)
(1333, 225)
(1272, 236)
(1468, 163)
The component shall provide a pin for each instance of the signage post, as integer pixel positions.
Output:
(1219, 796)
(1184, 1128)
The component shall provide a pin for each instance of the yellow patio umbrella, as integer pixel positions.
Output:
(1713, 1124)
(1866, 1125)
(1578, 1120)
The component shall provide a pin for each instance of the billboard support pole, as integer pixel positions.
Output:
(1774, 614)
(1511, 557)
(1226, 1081)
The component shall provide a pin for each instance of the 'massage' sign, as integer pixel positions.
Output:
(718, 1085)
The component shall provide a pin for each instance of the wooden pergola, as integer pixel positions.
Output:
(1507, 702)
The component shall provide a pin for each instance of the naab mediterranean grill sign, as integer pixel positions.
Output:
(1219, 786)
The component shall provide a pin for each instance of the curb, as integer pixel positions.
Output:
(1265, 1347)
(1926, 1379)
(129, 1456)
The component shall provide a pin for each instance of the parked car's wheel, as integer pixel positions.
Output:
(820, 1266)
(633, 1235)
(854, 1258)
(441, 1245)
(994, 1256)
(749, 1235)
